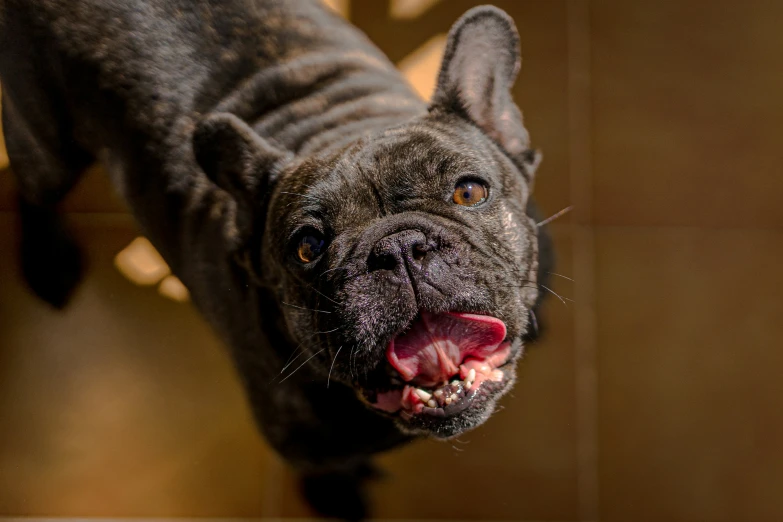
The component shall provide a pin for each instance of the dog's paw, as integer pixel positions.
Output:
(50, 257)
(339, 494)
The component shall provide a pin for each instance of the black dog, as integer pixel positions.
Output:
(368, 259)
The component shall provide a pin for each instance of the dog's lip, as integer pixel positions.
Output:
(407, 401)
(438, 346)
(402, 397)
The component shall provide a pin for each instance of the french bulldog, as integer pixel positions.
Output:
(371, 261)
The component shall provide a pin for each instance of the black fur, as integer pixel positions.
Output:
(232, 127)
(50, 258)
(340, 493)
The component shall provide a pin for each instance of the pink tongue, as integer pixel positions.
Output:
(435, 346)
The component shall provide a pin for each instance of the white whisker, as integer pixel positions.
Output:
(563, 299)
(351, 360)
(555, 216)
(329, 377)
(303, 308)
(298, 367)
(289, 362)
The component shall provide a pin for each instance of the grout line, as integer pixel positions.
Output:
(586, 371)
(583, 243)
(579, 110)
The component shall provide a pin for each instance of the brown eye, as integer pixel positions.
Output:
(310, 247)
(469, 193)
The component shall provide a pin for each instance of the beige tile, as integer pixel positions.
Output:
(687, 112)
(521, 465)
(410, 8)
(690, 388)
(421, 67)
(123, 405)
(341, 7)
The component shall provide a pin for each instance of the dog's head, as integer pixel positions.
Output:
(404, 264)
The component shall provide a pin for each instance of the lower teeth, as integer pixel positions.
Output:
(448, 392)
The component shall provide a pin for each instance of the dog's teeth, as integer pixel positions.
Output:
(448, 400)
(438, 393)
(424, 396)
(432, 404)
(484, 368)
(471, 375)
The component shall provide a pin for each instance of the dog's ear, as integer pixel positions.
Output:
(480, 64)
(238, 161)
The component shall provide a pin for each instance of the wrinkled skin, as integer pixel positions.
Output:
(483, 259)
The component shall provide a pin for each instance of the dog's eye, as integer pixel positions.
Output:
(470, 193)
(310, 247)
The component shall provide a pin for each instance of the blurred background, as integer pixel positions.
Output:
(655, 395)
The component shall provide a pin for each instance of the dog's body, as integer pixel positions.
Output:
(286, 106)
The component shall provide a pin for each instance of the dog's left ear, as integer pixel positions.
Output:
(480, 64)
(240, 162)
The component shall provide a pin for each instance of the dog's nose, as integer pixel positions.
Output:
(406, 248)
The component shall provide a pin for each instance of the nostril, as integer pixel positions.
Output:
(381, 262)
(419, 251)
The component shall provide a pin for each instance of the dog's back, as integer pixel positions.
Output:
(126, 82)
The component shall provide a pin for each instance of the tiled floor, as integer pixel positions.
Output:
(687, 113)
(125, 405)
(691, 397)
(656, 396)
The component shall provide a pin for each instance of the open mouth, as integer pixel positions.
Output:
(445, 361)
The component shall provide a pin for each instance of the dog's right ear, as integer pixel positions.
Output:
(238, 161)
(479, 67)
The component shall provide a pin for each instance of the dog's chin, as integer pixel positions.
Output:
(443, 375)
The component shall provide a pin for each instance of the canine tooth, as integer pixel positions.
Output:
(468, 384)
(432, 404)
(424, 396)
(471, 375)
